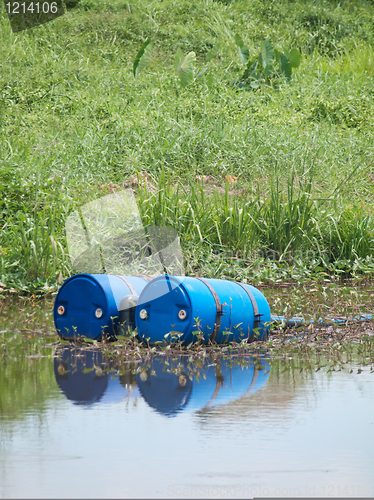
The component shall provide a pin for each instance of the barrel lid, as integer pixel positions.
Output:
(81, 307)
(164, 307)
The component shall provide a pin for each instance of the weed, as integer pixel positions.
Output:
(268, 66)
(73, 118)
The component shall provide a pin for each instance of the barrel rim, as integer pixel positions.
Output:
(91, 278)
(180, 285)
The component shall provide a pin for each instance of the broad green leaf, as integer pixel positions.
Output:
(238, 40)
(243, 50)
(251, 68)
(178, 60)
(143, 57)
(244, 54)
(268, 70)
(210, 55)
(294, 57)
(277, 55)
(184, 68)
(267, 53)
(285, 66)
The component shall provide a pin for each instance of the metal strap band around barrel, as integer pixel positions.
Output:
(145, 277)
(251, 298)
(256, 313)
(219, 312)
(131, 288)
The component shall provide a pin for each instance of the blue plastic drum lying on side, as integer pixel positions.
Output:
(89, 305)
(218, 310)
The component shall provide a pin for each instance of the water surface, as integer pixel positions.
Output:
(74, 425)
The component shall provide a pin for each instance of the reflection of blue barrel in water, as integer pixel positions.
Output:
(84, 380)
(221, 310)
(164, 391)
(89, 305)
(170, 393)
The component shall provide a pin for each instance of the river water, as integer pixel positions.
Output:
(72, 425)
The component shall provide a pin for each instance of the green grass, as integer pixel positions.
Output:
(72, 117)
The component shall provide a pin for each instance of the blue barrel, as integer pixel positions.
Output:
(187, 308)
(88, 304)
(170, 393)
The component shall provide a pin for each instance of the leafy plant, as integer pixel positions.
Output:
(144, 58)
(184, 65)
(267, 66)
